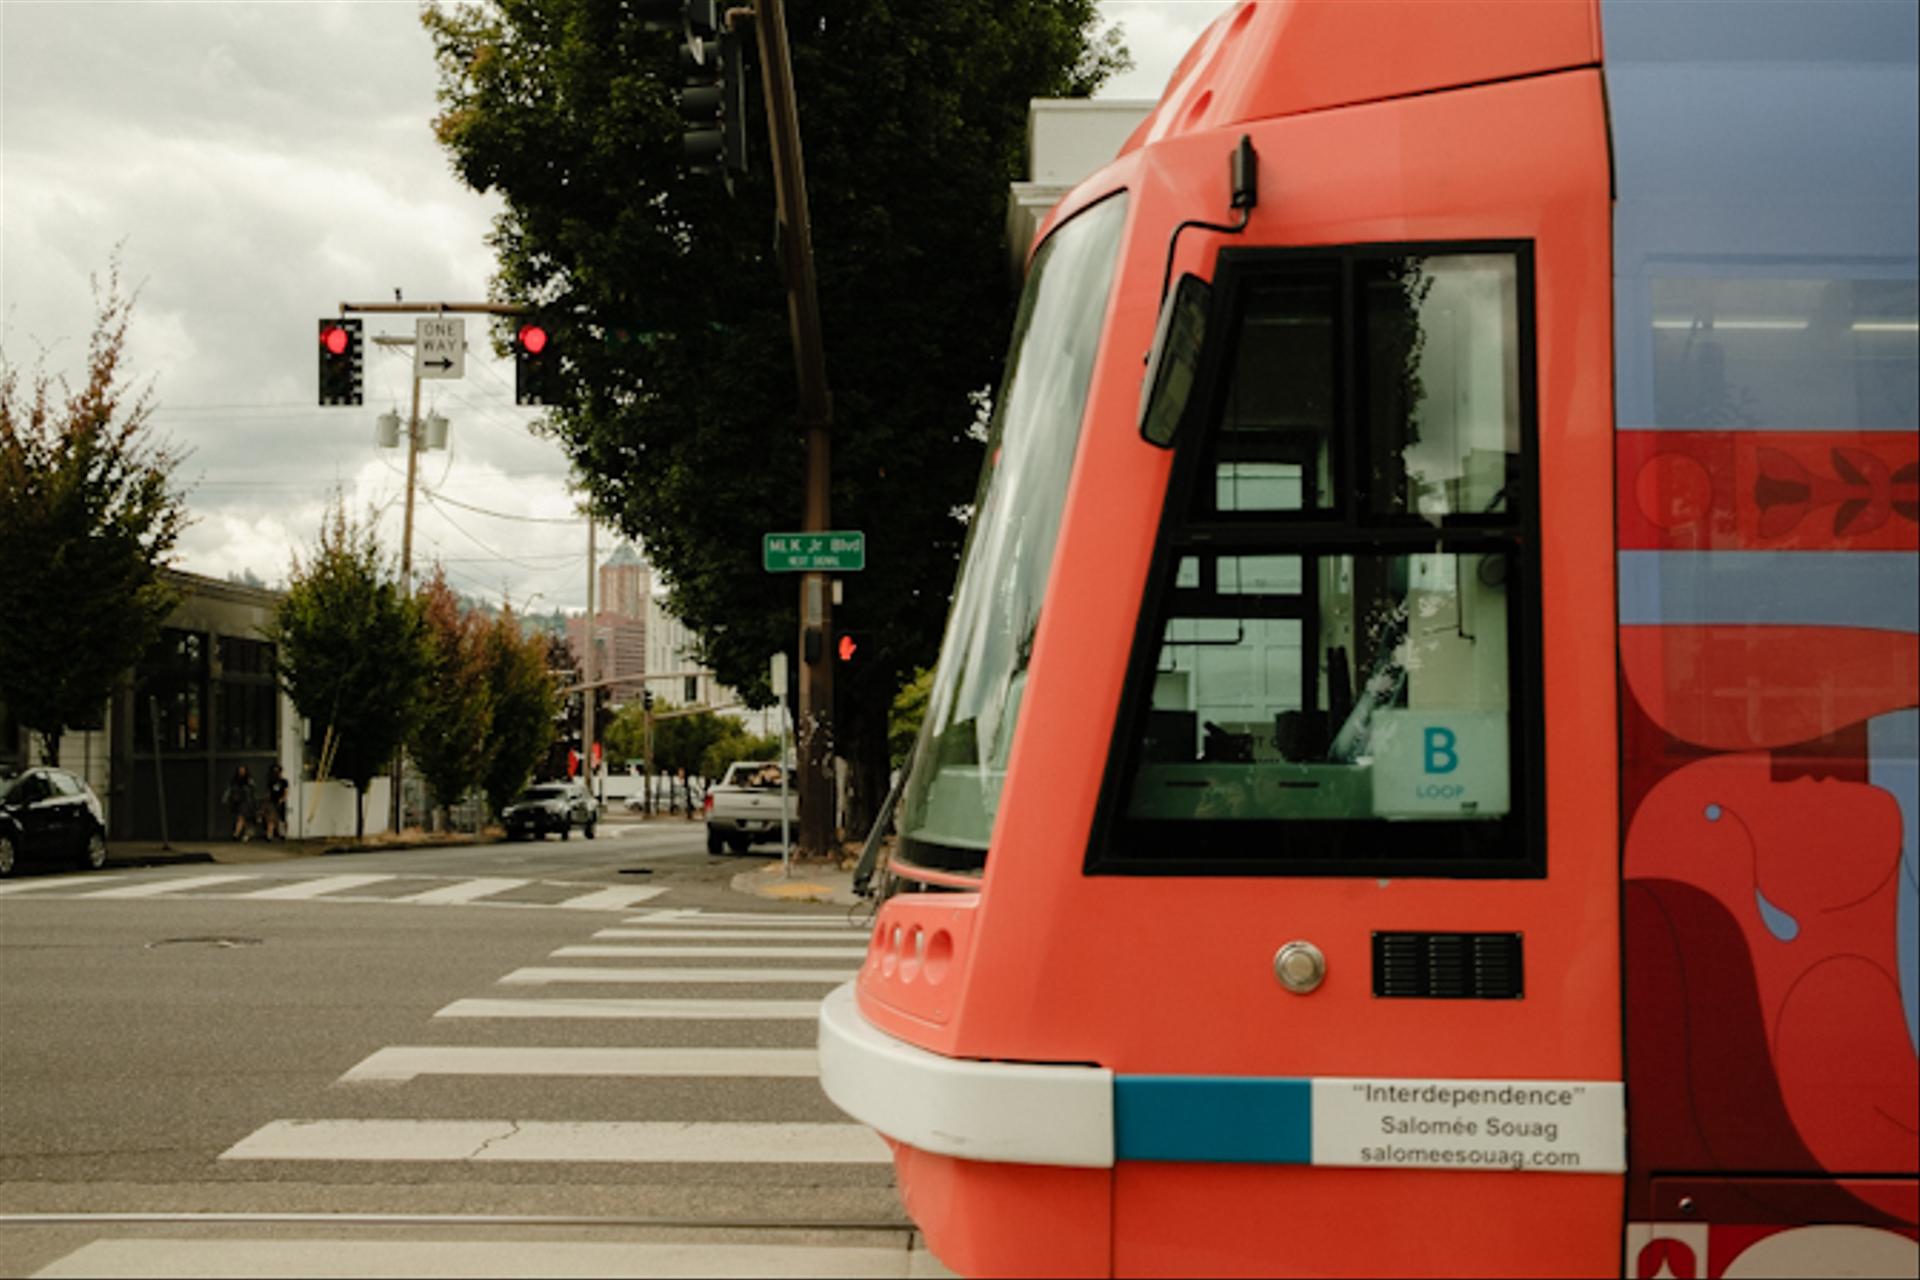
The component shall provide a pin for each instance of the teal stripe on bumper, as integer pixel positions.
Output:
(1223, 1119)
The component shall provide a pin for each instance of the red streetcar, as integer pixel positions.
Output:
(1421, 773)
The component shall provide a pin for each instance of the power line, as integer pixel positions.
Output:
(428, 495)
(503, 515)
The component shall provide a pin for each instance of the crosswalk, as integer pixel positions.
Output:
(701, 1004)
(396, 889)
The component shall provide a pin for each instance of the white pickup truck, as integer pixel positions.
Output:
(744, 806)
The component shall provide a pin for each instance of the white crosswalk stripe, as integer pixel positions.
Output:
(313, 888)
(335, 1259)
(667, 1010)
(465, 891)
(690, 916)
(405, 1062)
(528, 1141)
(676, 952)
(734, 935)
(611, 899)
(57, 882)
(155, 888)
(534, 976)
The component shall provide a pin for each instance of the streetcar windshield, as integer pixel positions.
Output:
(954, 789)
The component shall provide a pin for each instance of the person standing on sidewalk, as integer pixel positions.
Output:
(275, 808)
(242, 803)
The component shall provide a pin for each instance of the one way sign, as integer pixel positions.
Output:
(440, 347)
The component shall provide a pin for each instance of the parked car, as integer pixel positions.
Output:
(745, 806)
(50, 815)
(551, 806)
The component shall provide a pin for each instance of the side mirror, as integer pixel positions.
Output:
(1174, 362)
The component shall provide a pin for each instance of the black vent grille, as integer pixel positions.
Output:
(1448, 966)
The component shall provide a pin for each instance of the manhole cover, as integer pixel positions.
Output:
(636, 871)
(205, 942)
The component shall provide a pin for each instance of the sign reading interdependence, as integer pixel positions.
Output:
(842, 552)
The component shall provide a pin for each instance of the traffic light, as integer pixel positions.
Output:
(646, 700)
(714, 101)
(341, 361)
(535, 364)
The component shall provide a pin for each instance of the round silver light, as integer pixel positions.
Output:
(1300, 967)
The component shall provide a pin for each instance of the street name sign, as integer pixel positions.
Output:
(842, 552)
(440, 347)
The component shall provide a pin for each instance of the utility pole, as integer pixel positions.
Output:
(814, 730)
(406, 574)
(588, 694)
(413, 450)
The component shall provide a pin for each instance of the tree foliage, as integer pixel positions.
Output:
(352, 650)
(664, 296)
(88, 517)
(525, 704)
(904, 717)
(453, 734)
(738, 745)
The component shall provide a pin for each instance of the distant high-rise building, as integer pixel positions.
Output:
(626, 583)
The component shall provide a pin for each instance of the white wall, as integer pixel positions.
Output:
(326, 808)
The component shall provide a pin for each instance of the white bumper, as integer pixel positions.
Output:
(1011, 1112)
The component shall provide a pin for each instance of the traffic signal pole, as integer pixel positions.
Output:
(814, 727)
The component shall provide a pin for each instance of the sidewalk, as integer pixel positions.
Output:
(809, 882)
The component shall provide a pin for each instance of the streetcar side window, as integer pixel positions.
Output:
(1337, 669)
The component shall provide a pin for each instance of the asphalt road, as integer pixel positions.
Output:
(176, 1044)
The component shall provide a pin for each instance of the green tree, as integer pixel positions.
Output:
(664, 296)
(681, 742)
(737, 745)
(451, 737)
(903, 721)
(88, 517)
(525, 703)
(352, 650)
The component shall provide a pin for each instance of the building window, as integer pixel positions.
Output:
(172, 683)
(249, 698)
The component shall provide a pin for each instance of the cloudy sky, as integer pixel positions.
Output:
(259, 163)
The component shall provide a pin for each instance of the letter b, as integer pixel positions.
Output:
(1441, 755)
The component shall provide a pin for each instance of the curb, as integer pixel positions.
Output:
(159, 860)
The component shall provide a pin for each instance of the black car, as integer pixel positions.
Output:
(50, 815)
(551, 806)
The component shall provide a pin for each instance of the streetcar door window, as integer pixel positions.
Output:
(1337, 667)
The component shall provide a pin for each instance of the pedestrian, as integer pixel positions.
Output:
(242, 802)
(275, 809)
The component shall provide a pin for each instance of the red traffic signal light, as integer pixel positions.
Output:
(340, 361)
(535, 364)
(847, 647)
